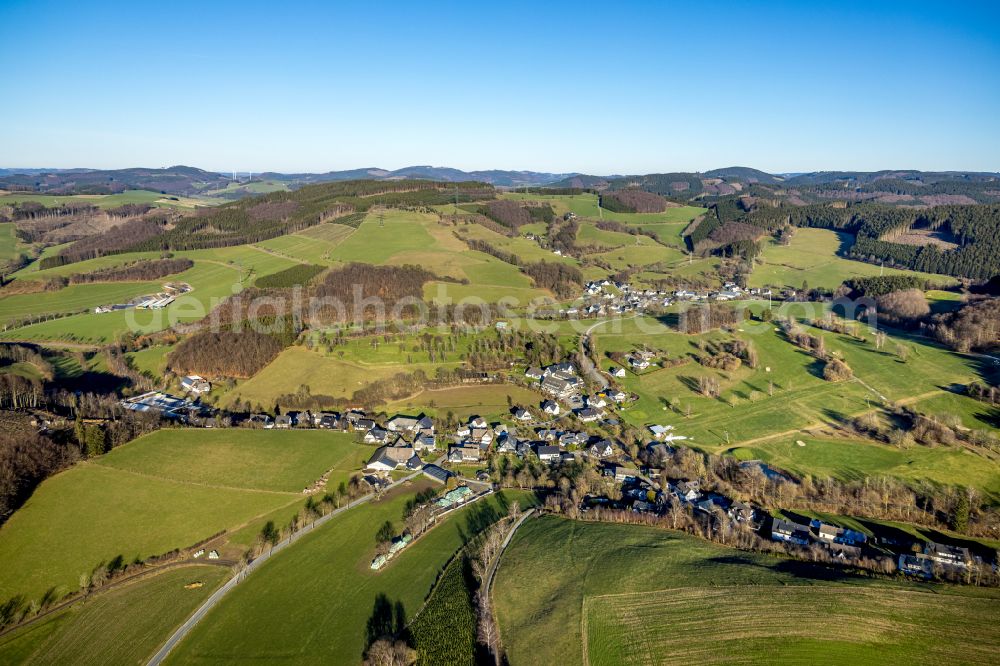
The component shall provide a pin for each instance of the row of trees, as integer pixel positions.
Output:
(137, 271)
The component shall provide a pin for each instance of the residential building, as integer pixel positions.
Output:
(785, 530)
(388, 458)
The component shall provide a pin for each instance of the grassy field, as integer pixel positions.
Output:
(789, 624)
(488, 400)
(217, 274)
(310, 604)
(8, 242)
(166, 490)
(855, 459)
(124, 625)
(526, 250)
(73, 298)
(748, 415)
(315, 245)
(324, 375)
(110, 200)
(152, 360)
(560, 577)
(812, 257)
(585, 205)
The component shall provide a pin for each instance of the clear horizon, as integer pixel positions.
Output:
(639, 88)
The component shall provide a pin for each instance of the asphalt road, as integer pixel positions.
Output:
(217, 596)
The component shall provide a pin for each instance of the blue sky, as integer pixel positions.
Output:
(628, 87)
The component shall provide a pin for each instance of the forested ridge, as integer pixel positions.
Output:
(975, 229)
(260, 218)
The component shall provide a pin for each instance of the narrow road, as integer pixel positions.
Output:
(589, 368)
(496, 564)
(217, 596)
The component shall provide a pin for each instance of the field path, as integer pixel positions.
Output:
(274, 253)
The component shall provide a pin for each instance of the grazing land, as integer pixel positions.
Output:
(109, 200)
(787, 624)
(167, 490)
(8, 242)
(811, 258)
(312, 602)
(118, 626)
(761, 412)
(564, 593)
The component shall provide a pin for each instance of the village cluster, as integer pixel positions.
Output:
(566, 427)
(609, 297)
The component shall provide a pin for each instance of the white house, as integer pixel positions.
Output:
(196, 384)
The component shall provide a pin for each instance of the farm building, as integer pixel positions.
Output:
(195, 384)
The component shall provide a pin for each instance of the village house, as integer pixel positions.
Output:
(688, 491)
(550, 407)
(616, 371)
(785, 530)
(638, 363)
(596, 401)
(283, 421)
(376, 435)
(623, 474)
(460, 454)
(559, 386)
(481, 436)
(741, 512)
(328, 420)
(533, 373)
(401, 423)
(840, 535)
(363, 425)
(547, 434)
(522, 414)
(507, 443)
(588, 415)
(916, 565)
(477, 422)
(941, 553)
(388, 458)
(424, 442)
(548, 453)
(602, 449)
(573, 438)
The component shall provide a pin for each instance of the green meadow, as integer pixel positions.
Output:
(571, 592)
(166, 490)
(311, 603)
(585, 205)
(109, 200)
(811, 258)
(216, 275)
(122, 625)
(764, 409)
(8, 242)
